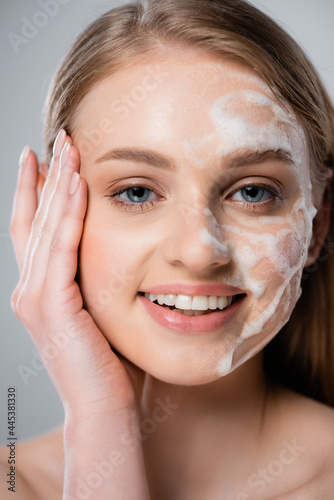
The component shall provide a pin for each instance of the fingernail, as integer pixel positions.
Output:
(64, 154)
(24, 155)
(74, 182)
(59, 142)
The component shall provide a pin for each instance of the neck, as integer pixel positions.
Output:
(240, 391)
(206, 422)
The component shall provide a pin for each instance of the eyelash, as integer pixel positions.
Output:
(128, 205)
(275, 201)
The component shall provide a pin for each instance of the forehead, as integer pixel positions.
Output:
(187, 100)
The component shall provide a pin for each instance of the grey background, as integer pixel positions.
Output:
(25, 77)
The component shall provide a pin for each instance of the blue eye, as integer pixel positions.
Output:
(134, 198)
(136, 194)
(253, 194)
(258, 198)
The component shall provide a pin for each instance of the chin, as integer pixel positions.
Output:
(178, 375)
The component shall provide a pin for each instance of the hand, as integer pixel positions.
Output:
(98, 389)
(47, 298)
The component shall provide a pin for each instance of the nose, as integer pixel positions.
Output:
(196, 240)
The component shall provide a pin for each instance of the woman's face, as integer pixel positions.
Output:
(199, 194)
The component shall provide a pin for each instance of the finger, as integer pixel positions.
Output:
(48, 175)
(24, 206)
(54, 212)
(48, 189)
(63, 260)
(42, 176)
(46, 171)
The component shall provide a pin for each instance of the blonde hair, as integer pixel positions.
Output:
(302, 354)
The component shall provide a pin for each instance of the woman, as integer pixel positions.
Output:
(152, 282)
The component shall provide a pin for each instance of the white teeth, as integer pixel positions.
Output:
(213, 302)
(222, 302)
(190, 305)
(199, 303)
(170, 299)
(183, 302)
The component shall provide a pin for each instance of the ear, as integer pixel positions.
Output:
(321, 226)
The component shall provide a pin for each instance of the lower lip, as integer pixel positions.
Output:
(193, 324)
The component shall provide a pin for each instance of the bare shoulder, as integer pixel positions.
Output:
(309, 427)
(40, 466)
(319, 487)
(308, 418)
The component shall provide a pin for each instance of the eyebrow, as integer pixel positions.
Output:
(159, 160)
(141, 156)
(255, 157)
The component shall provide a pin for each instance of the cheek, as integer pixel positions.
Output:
(269, 268)
(114, 254)
(103, 266)
(293, 249)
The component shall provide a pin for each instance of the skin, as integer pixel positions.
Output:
(240, 410)
(178, 253)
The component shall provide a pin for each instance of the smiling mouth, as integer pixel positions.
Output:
(188, 305)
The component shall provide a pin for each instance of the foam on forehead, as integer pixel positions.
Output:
(246, 115)
(249, 119)
(253, 118)
(215, 72)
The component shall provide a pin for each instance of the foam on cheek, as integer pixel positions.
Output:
(288, 266)
(247, 259)
(226, 363)
(213, 237)
(212, 241)
(282, 304)
(248, 250)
